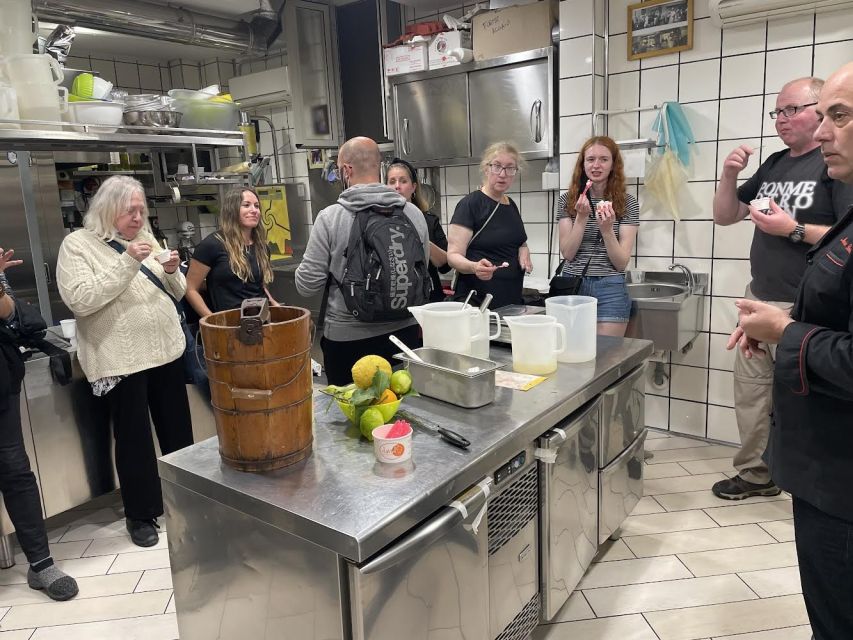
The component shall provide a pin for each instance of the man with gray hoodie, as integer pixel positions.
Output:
(346, 339)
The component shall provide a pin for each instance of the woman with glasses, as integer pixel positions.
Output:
(487, 243)
(402, 177)
(598, 222)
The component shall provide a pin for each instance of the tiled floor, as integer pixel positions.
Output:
(688, 567)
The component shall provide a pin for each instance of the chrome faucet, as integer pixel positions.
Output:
(688, 276)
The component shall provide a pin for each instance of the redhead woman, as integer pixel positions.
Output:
(234, 262)
(487, 243)
(129, 340)
(598, 222)
(402, 177)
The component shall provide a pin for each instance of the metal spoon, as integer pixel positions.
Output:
(468, 298)
(486, 301)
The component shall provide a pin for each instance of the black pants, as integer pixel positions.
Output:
(339, 356)
(162, 391)
(825, 553)
(18, 485)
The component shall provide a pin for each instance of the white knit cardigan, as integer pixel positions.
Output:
(125, 324)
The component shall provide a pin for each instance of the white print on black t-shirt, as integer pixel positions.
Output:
(790, 196)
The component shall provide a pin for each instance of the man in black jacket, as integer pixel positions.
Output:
(810, 453)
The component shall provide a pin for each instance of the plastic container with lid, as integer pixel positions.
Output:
(208, 114)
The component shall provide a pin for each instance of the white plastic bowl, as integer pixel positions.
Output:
(106, 115)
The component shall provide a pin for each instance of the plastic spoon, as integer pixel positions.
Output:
(586, 188)
(414, 356)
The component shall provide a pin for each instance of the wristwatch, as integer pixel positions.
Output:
(798, 234)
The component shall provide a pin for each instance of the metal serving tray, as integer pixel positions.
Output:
(465, 381)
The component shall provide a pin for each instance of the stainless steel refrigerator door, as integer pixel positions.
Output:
(622, 414)
(569, 514)
(621, 488)
(512, 102)
(432, 584)
(432, 119)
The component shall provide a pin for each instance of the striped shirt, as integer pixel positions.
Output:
(592, 245)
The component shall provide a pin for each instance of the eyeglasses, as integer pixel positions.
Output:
(496, 169)
(790, 111)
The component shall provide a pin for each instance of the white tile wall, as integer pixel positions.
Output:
(726, 84)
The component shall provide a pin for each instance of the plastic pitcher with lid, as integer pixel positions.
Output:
(536, 341)
(450, 327)
(579, 316)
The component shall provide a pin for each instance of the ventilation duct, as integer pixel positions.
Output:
(734, 13)
(172, 24)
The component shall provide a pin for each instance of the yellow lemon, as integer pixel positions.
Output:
(401, 382)
(364, 370)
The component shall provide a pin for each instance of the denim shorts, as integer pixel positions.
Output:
(614, 304)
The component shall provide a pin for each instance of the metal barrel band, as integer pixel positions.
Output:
(243, 412)
(267, 392)
(313, 332)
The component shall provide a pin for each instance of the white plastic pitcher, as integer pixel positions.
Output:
(32, 68)
(449, 327)
(8, 106)
(16, 27)
(481, 329)
(41, 102)
(535, 343)
(579, 316)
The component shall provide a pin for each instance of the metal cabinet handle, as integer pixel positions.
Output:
(405, 140)
(536, 121)
(47, 273)
(433, 529)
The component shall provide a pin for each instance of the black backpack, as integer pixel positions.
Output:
(386, 269)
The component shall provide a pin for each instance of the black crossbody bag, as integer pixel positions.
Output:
(566, 285)
(194, 373)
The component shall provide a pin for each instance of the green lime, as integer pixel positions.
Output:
(401, 382)
(370, 419)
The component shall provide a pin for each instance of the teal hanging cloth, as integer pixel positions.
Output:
(666, 174)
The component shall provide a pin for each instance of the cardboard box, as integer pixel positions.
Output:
(443, 43)
(521, 28)
(406, 58)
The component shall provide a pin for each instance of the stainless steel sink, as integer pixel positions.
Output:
(655, 291)
(666, 307)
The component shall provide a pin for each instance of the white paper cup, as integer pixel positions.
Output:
(164, 256)
(69, 328)
(762, 204)
(391, 450)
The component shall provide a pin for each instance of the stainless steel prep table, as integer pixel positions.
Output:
(249, 549)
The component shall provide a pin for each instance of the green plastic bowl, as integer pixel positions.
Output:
(353, 413)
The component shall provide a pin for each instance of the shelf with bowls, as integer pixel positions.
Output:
(52, 136)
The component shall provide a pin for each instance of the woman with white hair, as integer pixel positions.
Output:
(129, 340)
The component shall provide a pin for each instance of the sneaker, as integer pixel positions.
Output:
(143, 532)
(736, 488)
(57, 584)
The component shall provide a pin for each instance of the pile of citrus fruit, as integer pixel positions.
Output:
(374, 395)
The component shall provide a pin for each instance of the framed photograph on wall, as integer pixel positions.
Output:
(659, 27)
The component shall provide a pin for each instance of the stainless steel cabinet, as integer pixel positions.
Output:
(622, 414)
(312, 60)
(512, 102)
(431, 584)
(569, 512)
(620, 488)
(449, 116)
(432, 119)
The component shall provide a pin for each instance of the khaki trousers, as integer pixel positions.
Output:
(753, 395)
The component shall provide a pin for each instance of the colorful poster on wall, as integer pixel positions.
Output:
(276, 221)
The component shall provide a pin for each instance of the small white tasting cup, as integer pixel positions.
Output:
(164, 256)
(69, 328)
(762, 204)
